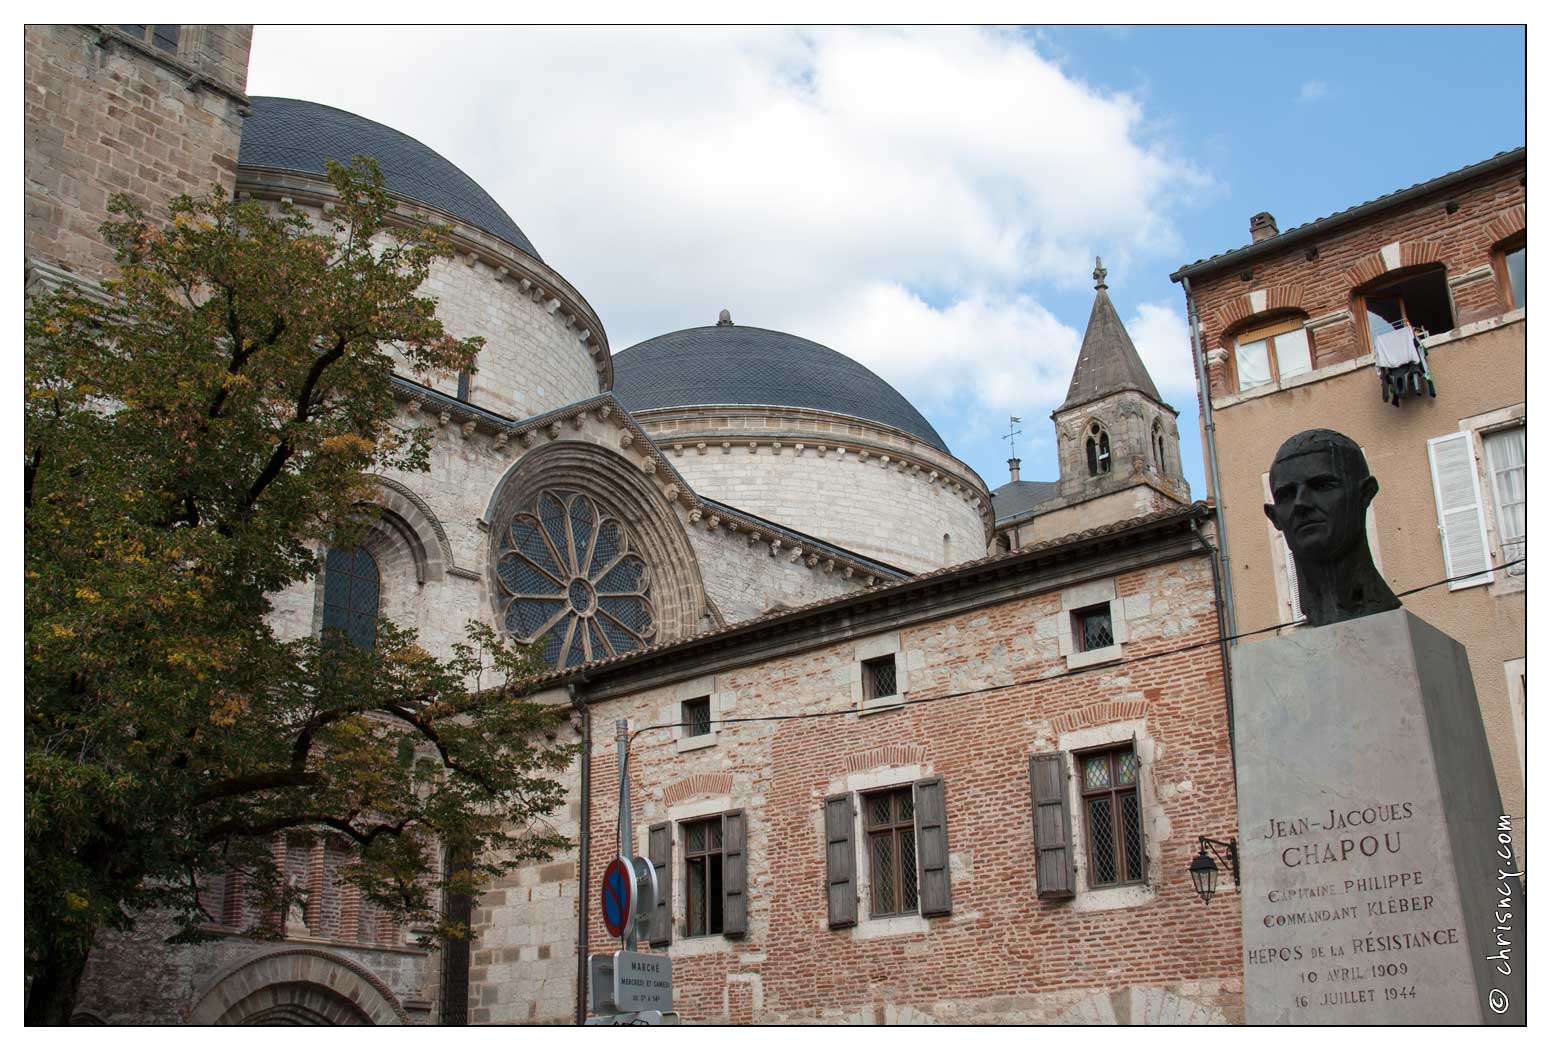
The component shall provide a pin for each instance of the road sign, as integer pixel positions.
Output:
(645, 895)
(600, 984)
(643, 981)
(617, 891)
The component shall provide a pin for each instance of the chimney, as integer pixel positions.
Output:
(1261, 226)
(1012, 467)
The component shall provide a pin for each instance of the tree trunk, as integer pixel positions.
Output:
(51, 996)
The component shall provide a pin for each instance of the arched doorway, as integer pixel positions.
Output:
(298, 987)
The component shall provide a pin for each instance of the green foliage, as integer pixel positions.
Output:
(190, 440)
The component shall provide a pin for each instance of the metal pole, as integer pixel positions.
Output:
(622, 740)
(1209, 428)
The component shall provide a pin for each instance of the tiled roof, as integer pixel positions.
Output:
(1108, 361)
(742, 365)
(293, 135)
(1357, 211)
(1016, 498)
(1195, 511)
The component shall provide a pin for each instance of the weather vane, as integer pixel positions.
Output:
(1012, 434)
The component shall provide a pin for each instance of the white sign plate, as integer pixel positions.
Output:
(600, 984)
(643, 982)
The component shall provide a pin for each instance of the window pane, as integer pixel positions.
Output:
(1515, 261)
(1125, 768)
(1254, 366)
(905, 804)
(1097, 631)
(696, 837)
(1292, 353)
(1131, 828)
(1096, 772)
(907, 870)
(1505, 455)
(1384, 313)
(714, 893)
(882, 855)
(1101, 828)
(878, 810)
(165, 37)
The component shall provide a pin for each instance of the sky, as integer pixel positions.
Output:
(928, 201)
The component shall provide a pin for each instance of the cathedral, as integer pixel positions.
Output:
(722, 496)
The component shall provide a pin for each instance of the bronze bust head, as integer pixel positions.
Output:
(1320, 492)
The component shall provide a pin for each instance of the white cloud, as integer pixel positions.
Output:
(1162, 338)
(903, 195)
(1313, 89)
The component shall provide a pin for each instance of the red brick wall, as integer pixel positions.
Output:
(104, 118)
(1491, 209)
(1002, 955)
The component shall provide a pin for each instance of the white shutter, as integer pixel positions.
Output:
(1461, 524)
(1290, 568)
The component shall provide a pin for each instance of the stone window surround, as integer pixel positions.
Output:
(1081, 597)
(867, 928)
(701, 808)
(1340, 368)
(1502, 582)
(887, 644)
(1111, 735)
(722, 701)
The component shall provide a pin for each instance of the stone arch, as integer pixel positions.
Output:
(418, 525)
(398, 549)
(298, 986)
(622, 488)
(1511, 223)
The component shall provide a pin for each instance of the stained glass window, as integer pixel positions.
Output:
(567, 575)
(1113, 816)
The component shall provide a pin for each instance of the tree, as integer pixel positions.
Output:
(191, 438)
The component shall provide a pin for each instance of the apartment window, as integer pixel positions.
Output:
(1272, 353)
(1112, 815)
(163, 38)
(1510, 264)
(1098, 450)
(703, 887)
(351, 592)
(879, 678)
(695, 717)
(1505, 464)
(1092, 628)
(1420, 301)
(891, 850)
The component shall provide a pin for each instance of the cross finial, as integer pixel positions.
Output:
(1099, 273)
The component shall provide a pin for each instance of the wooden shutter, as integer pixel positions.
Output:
(840, 860)
(659, 851)
(1461, 523)
(932, 847)
(735, 908)
(1054, 873)
(1290, 567)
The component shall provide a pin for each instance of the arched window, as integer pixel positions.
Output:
(1271, 352)
(568, 575)
(1098, 450)
(351, 590)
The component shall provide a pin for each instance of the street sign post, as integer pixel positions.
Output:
(618, 890)
(645, 896)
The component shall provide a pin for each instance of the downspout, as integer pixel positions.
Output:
(1214, 481)
(1222, 645)
(584, 849)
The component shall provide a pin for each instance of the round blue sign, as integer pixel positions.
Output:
(617, 888)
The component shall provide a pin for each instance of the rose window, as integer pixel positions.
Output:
(568, 576)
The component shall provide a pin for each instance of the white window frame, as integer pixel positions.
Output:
(1267, 334)
(1495, 525)
(1474, 427)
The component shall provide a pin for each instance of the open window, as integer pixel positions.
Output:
(1272, 352)
(1098, 449)
(1509, 260)
(1418, 300)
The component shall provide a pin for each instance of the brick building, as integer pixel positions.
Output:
(1286, 330)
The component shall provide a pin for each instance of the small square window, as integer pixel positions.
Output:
(878, 678)
(1092, 628)
(695, 719)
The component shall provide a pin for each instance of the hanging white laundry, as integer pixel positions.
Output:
(1395, 348)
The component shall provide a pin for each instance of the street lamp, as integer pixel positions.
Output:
(1203, 870)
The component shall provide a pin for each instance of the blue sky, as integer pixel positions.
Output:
(928, 201)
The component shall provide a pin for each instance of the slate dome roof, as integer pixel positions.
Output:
(727, 364)
(299, 136)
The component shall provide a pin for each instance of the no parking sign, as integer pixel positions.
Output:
(618, 892)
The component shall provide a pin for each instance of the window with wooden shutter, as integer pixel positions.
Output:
(1290, 572)
(735, 911)
(932, 847)
(703, 898)
(1112, 815)
(1461, 522)
(840, 860)
(659, 851)
(1055, 875)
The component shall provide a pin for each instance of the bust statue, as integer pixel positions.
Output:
(1320, 492)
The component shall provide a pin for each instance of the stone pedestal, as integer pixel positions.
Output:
(1378, 881)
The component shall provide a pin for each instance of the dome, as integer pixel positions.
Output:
(292, 135)
(727, 364)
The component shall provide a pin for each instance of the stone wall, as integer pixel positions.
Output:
(865, 487)
(1144, 952)
(105, 114)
